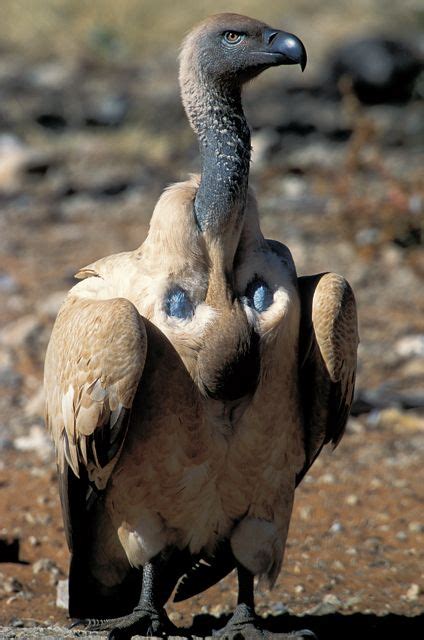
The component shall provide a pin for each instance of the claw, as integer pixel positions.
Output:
(76, 623)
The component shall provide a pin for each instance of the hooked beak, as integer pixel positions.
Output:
(283, 48)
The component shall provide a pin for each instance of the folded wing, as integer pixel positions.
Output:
(94, 362)
(328, 343)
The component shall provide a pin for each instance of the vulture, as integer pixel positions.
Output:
(192, 382)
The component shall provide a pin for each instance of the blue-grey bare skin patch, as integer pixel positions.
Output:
(178, 304)
(259, 295)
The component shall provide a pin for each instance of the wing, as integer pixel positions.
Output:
(93, 365)
(328, 343)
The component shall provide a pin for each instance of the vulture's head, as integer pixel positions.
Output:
(230, 48)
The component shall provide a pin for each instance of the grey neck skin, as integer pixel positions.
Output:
(216, 115)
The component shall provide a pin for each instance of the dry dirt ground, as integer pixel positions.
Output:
(81, 165)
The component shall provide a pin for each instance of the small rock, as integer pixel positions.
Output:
(33, 541)
(293, 186)
(400, 421)
(17, 623)
(6, 441)
(278, 608)
(10, 379)
(402, 536)
(264, 142)
(35, 405)
(305, 512)
(413, 592)
(8, 283)
(352, 602)
(37, 440)
(62, 594)
(44, 564)
(336, 527)
(316, 155)
(368, 236)
(410, 346)
(12, 585)
(330, 598)
(50, 305)
(20, 332)
(326, 607)
(13, 157)
(352, 500)
(328, 478)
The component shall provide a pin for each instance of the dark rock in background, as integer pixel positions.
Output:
(381, 69)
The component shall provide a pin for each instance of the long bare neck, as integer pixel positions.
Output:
(216, 115)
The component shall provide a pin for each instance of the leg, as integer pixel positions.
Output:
(244, 623)
(149, 617)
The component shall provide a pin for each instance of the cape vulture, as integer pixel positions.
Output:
(191, 383)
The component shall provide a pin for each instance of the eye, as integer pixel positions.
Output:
(259, 295)
(178, 304)
(233, 37)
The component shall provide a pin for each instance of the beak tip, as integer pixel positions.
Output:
(291, 48)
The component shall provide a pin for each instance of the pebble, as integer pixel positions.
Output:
(8, 283)
(328, 478)
(410, 346)
(14, 155)
(12, 585)
(400, 421)
(10, 379)
(305, 512)
(402, 536)
(51, 304)
(278, 608)
(35, 405)
(336, 527)
(413, 592)
(36, 440)
(62, 594)
(44, 564)
(20, 332)
(351, 551)
(352, 602)
(316, 155)
(329, 604)
(330, 598)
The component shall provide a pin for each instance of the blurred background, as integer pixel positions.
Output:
(92, 130)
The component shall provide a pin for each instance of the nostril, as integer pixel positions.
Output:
(270, 36)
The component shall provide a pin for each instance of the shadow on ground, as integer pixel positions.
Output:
(335, 626)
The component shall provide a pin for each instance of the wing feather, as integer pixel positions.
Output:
(328, 344)
(93, 366)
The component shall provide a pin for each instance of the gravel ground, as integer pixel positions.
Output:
(83, 159)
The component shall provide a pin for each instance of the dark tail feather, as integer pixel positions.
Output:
(87, 597)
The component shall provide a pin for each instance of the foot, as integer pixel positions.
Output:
(246, 625)
(142, 621)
